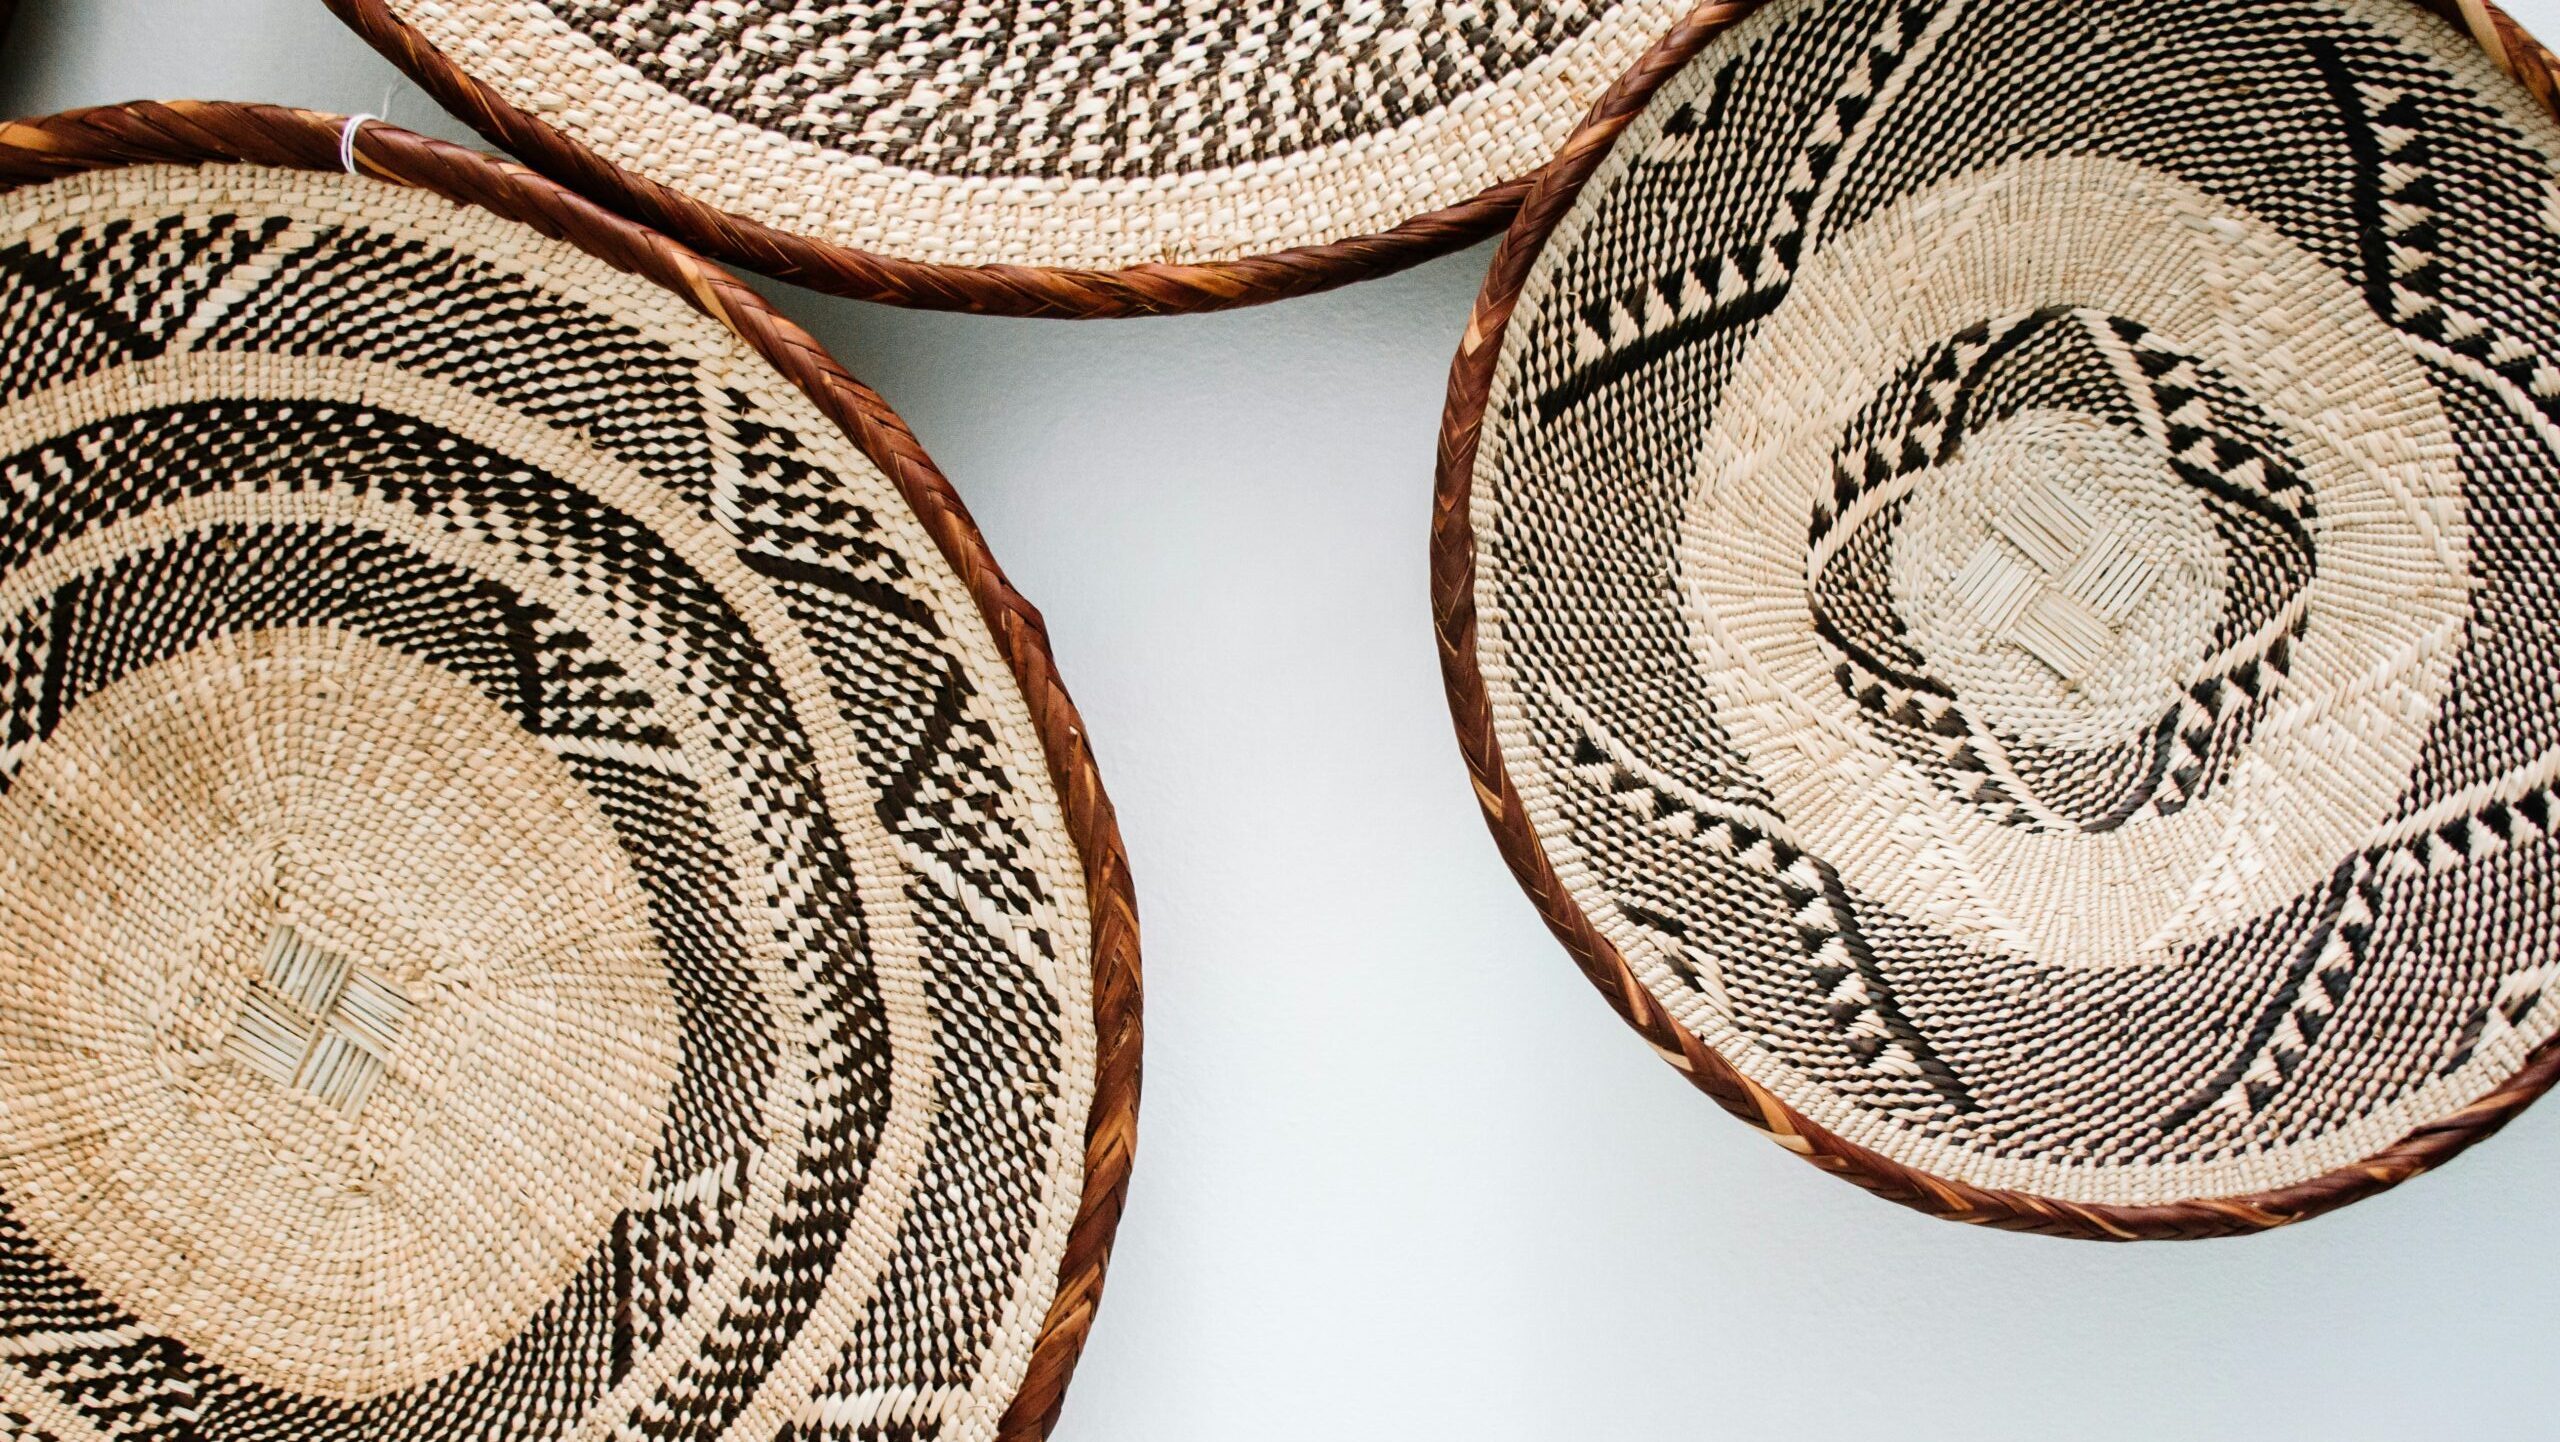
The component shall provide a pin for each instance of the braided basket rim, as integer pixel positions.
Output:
(212, 132)
(1471, 709)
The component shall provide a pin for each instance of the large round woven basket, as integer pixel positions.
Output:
(548, 886)
(1994, 567)
(1071, 159)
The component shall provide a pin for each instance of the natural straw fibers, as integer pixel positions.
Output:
(548, 887)
(1081, 157)
(1994, 569)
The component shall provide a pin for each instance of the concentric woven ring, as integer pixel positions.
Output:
(1480, 711)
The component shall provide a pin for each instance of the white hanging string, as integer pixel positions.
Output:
(347, 141)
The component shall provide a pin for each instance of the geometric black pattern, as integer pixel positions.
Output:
(2218, 443)
(1076, 90)
(1086, 134)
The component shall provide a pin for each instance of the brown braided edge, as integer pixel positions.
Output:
(195, 132)
(1155, 289)
(1454, 618)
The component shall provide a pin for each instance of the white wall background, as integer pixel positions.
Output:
(1402, 1174)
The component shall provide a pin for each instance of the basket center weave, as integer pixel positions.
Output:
(320, 956)
(317, 1022)
(2059, 578)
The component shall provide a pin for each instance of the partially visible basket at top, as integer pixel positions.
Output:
(1074, 159)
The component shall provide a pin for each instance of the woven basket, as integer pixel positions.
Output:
(1082, 158)
(1992, 570)
(548, 886)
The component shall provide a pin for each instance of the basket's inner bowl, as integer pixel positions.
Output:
(335, 1025)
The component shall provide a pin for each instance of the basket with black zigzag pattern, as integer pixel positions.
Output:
(548, 888)
(1069, 158)
(1995, 563)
